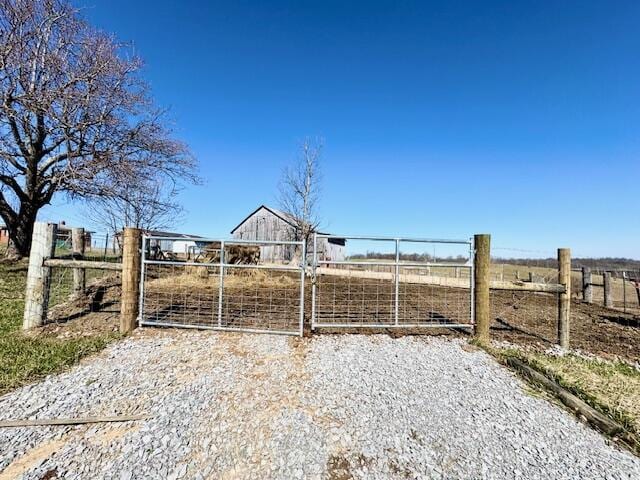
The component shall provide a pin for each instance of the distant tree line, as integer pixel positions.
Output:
(602, 263)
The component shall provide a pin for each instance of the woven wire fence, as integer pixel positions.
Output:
(624, 289)
(524, 316)
(607, 330)
(101, 294)
(530, 318)
(99, 246)
(102, 288)
(254, 293)
(403, 282)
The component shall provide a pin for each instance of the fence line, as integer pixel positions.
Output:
(356, 293)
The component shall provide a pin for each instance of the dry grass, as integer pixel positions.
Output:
(612, 387)
(202, 278)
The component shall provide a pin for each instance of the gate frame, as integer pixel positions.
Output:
(222, 267)
(470, 265)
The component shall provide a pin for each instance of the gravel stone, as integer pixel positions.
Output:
(332, 406)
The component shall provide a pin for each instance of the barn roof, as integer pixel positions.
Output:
(285, 217)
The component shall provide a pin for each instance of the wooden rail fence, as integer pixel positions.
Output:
(41, 261)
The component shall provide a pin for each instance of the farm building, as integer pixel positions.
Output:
(63, 237)
(177, 243)
(266, 223)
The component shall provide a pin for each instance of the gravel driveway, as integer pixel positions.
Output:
(259, 406)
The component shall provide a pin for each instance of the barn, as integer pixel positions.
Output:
(266, 223)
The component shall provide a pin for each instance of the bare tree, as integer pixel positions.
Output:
(151, 205)
(75, 115)
(299, 190)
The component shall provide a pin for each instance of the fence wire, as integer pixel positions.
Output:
(198, 291)
(624, 290)
(253, 298)
(530, 318)
(525, 316)
(101, 294)
(402, 284)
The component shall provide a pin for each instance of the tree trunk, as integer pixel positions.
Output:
(20, 233)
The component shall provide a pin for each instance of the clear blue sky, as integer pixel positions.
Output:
(440, 119)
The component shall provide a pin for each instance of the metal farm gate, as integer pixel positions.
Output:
(221, 285)
(231, 285)
(400, 289)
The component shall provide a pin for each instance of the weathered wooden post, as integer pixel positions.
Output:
(36, 299)
(564, 298)
(481, 278)
(130, 279)
(587, 288)
(77, 247)
(606, 282)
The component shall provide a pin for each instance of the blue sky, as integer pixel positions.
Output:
(440, 119)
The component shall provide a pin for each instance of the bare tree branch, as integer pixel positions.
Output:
(299, 190)
(75, 115)
(151, 205)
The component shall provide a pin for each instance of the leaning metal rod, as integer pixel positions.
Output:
(397, 299)
(313, 280)
(624, 292)
(472, 280)
(221, 284)
(142, 271)
(303, 263)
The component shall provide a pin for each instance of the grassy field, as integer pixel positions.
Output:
(25, 358)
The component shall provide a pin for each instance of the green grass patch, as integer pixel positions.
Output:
(26, 358)
(611, 387)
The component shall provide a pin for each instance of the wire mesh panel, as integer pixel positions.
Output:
(221, 285)
(431, 303)
(101, 293)
(401, 283)
(525, 316)
(354, 295)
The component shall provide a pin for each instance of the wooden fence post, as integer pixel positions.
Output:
(564, 298)
(36, 299)
(77, 247)
(130, 279)
(606, 282)
(481, 279)
(587, 288)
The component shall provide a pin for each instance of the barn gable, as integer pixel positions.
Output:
(285, 217)
(270, 224)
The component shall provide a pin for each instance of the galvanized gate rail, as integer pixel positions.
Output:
(336, 268)
(217, 320)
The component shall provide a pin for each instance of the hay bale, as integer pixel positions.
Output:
(234, 254)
